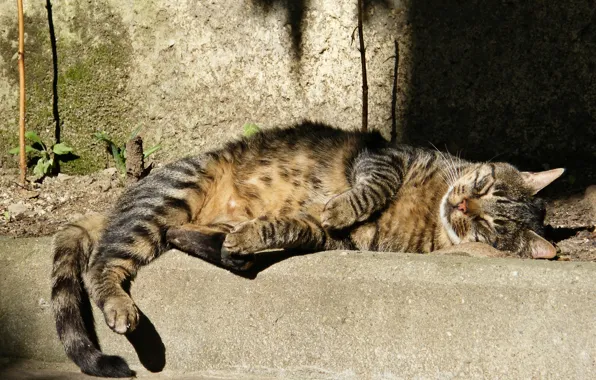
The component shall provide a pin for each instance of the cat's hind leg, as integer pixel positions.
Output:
(299, 232)
(205, 242)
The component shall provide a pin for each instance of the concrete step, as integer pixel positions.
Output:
(19, 369)
(331, 315)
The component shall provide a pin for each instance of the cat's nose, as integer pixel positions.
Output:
(463, 206)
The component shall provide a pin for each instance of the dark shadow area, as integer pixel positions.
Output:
(295, 14)
(148, 344)
(68, 157)
(256, 262)
(146, 340)
(22, 369)
(369, 4)
(562, 233)
(507, 79)
(394, 93)
(264, 260)
(55, 112)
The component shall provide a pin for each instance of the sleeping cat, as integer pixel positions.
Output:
(310, 187)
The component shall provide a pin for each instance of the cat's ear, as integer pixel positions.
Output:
(539, 180)
(539, 247)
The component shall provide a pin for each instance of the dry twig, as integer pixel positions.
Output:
(394, 95)
(135, 163)
(22, 161)
(363, 63)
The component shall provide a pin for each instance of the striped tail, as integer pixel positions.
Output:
(72, 248)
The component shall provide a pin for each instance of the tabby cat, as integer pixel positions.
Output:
(310, 187)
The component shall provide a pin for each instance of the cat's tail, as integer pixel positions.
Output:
(72, 248)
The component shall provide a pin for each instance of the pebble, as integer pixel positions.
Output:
(17, 209)
(43, 303)
(30, 194)
(76, 216)
(110, 171)
(104, 185)
(63, 177)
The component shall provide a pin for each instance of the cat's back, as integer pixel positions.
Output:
(312, 138)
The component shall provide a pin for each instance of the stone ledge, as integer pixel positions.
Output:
(333, 315)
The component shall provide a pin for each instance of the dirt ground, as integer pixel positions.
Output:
(42, 209)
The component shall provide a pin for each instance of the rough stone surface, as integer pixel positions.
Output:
(505, 79)
(19, 369)
(191, 73)
(333, 315)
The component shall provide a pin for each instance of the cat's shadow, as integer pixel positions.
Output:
(264, 260)
(148, 345)
(147, 342)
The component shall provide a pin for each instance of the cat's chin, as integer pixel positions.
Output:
(444, 210)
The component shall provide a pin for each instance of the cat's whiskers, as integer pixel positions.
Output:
(455, 168)
(448, 172)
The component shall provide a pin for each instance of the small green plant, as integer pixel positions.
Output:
(250, 129)
(48, 156)
(7, 216)
(119, 152)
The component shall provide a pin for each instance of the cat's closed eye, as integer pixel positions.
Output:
(483, 186)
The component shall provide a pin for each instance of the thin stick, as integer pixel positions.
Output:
(394, 95)
(55, 72)
(22, 163)
(363, 62)
(57, 134)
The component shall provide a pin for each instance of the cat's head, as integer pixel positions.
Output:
(494, 203)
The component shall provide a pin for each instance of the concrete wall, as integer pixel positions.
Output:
(482, 77)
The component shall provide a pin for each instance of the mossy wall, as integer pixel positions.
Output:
(506, 79)
(93, 61)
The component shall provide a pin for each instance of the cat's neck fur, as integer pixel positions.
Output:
(416, 210)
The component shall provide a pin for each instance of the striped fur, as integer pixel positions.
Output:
(72, 310)
(309, 187)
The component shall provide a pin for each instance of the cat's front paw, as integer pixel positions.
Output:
(121, 314)
(235, 261)
(338, 213)
(244, 239)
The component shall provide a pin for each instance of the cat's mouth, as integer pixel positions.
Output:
(447, 211)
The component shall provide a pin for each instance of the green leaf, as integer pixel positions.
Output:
(151, 150)
(61, 149)
(28, 149)
(134, 133)
(118, 158)
(48, 165)
(33, 137)
(101, 136)
(250, 129)
(38, 169)
(571, 179)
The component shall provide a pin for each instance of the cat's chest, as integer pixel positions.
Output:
(409, 223)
